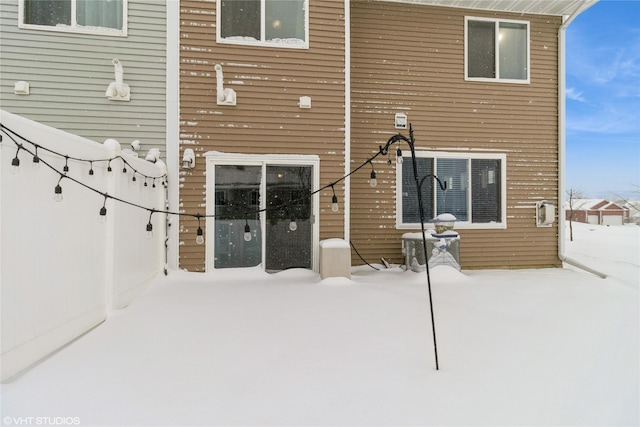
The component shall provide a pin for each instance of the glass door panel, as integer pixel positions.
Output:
(237, 194)
(288, 227)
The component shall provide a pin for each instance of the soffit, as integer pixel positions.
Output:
(538, 7)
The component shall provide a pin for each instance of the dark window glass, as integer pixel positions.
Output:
(240, 18)
(47, 12)
(481, 49)
(486, 191)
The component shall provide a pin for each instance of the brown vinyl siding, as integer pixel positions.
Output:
(267, 119)
(410, 58)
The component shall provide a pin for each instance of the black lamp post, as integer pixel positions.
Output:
(411, 142)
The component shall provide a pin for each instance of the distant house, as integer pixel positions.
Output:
(276, 103)
(98, 73)
(596, 211)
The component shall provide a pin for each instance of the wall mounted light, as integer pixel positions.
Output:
(224, 96)
(118, 90)
(188, 159)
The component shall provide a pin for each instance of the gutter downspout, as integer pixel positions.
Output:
(562, 139)
(347, 118)
(173, 129)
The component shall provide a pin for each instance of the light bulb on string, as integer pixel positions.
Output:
(103, 210)
(65, 169)
(109, 170)
(373, 181)
(334, 201)
(199, 233)
(57, 192)
(399, 156)
(293, 225)
(15, 162)
(145, 182)
(247, 231)
(91, 174)
(36, 160)
(134, 176)
(149, 231)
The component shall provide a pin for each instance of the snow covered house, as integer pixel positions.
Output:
(597, 211)
(96, 69)
(279, 99)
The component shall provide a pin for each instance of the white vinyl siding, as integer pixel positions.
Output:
(69, 73)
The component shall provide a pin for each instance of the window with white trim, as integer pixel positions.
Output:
(496, 50)
(281, 23)
(85, 16)
(475, 189)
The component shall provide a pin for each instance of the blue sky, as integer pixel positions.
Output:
(603, 100)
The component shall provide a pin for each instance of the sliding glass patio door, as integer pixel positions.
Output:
(263, 214)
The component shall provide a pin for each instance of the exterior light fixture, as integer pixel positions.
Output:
(188, 159)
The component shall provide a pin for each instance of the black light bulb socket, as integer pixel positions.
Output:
(16, 161)
(199, 232)
(373, 174)
(103, 211)
(247, 229)
(149, 227)
(58, 189)
(334, 199)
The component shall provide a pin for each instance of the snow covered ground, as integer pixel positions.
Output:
(534, 347)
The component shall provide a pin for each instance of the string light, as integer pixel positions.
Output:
(15, 163)
(334, 201)
(57, 192)
(247, 231)
(103, 210)
(36, 160)
(149, 231)
(199, 234)
(373, 181)
(293, 225)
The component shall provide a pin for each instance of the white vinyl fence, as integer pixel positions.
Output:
(62, 269)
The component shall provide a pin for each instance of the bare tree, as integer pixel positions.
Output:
(573, 195)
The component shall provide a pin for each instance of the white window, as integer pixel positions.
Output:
(83, 16)
(496, 50)
(475, 189)
(281, 23)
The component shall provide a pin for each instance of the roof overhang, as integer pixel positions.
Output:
(563, 8)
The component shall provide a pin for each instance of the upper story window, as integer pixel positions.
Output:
(475, 189)
(281, 23)
(83, 16)
(496, 50)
